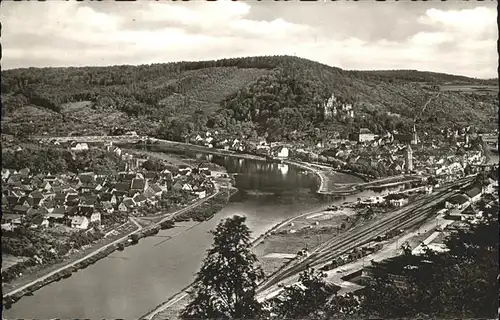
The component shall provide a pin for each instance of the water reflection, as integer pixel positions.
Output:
(127, 288)
(283, 168)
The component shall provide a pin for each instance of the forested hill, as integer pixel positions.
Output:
(423, 76)
(278, 95)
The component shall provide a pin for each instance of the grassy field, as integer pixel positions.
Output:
(306, 232)
(477, 89)
(40, 271)
(9, 260)
(338, 178)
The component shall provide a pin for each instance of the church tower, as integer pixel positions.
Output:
(414, 139)
(409, 159)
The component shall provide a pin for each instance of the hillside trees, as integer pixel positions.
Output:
(314, 298)
(300, 302)
(55, 160)
(460, 283)
(226, 283)
(278, 104)
(277, 89)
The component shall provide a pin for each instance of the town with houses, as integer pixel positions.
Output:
(92, 205)
(81, 201)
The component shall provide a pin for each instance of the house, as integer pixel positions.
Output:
(198, 139)
(139, 199)
(28, 202)
(109, 197)
(73, 210)
(39, 221)
(121, 189)
(98, 188)
(427, 189)
(128, 202)
(21, 209)
(6, 173)
(107, 207)
(80, 147)
(72, 200)
(177, 185)
(201, 194)
(157, 190)
(166, 174)
(60, 198)
(80, 222)
(150, 175)
(49, 178)
(15, 177)
(58, 189)
(46, 186)
(5, 202)
(59, 210)
(87, 177)
(396, 167)
(138, 185)
(84, 210)
(373, 200)
(89, 201)
(95, 217)
(117, 151)
(12, 218)
(187, 187)
(37, 195)
(458, 201)
(474, 194)
(365, 135)
(122, 207)
(184, 170)
(282, 152)
(149, 193)
(55, 217)
(398, 202)
(48, 205)
(262, 146)
(87, 188)
(25, 172)
(126, 176)
(403, 138)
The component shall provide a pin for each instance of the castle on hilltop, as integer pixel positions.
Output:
(336, 107)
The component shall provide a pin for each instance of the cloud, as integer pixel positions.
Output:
(442, 38)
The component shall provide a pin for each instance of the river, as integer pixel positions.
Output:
(129, 283)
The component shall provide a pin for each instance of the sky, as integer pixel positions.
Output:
(456, 37)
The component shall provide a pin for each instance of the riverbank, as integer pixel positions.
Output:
(323, 173)
(64, 269)
(42, 270)
(118, 244)
(170, 308)
(165, 145)
(326, 176)
(305, 232)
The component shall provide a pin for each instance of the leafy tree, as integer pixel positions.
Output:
(153, 165)
(226, 283)
(461, 283)
(315, 299)
(301, 301)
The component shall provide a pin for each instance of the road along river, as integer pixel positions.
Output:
(127, 284)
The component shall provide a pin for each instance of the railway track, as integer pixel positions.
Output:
(406, 217)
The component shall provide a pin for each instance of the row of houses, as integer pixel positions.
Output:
(470, 195)
(398, 199)
(79, 200)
